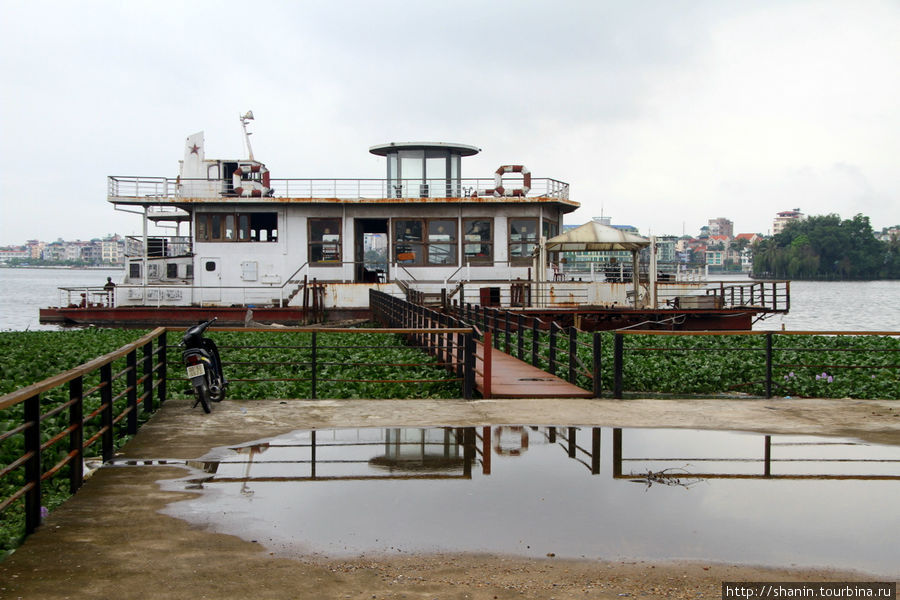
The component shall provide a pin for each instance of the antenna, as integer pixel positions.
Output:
(248, 116)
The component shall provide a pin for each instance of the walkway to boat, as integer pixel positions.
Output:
(510, 377)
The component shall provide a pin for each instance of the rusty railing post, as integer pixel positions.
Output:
(618, 356)
(486, 351)
(161, 356)
(132, 395)
(106, 412)
(469, 365)
(76, 437)
(506, 331)
(147, 374)
(520, 335)
(573, 353)
(312, 393)
(551, 368)
(597, 364)
(32, 418)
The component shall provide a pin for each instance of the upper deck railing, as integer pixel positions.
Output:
(161, 189)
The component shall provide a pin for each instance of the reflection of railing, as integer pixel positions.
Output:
(657, 468)
(162, 188)
(408, 453)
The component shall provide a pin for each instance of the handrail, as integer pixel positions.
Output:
(163, 188)
(123, 391)
(40, 387)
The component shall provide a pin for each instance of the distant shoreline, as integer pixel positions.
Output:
(62, 267)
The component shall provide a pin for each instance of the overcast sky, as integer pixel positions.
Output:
(660, 114)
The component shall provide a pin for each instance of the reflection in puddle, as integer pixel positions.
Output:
(574, 492)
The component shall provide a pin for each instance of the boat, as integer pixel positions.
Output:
(251, 248)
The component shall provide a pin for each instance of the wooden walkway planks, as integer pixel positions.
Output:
(513, 378)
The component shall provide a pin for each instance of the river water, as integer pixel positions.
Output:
(815, 306)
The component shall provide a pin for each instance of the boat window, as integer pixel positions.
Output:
(522, 240)
(229, 228)
(210, 266)
(425, 241)
(215, 227)
(408, 241)
(243, 228)
(134, 271)
(442, 242)
(172, 270)
(263, 227)
(324, 241)
(478, 237)
(237, 227)
(550, 229)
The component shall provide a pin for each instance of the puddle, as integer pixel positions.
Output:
(574, 492)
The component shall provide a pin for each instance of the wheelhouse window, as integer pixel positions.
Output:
(478, 246)
(325, 241)
(408, 244)
(442, 242)
(522, 240)
(425, 241)
(550, 229)
(237, 227)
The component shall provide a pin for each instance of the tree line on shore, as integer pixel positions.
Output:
(824, 247)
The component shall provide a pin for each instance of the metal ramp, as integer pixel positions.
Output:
(504, 376)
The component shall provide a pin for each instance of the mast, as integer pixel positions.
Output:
(245, 118)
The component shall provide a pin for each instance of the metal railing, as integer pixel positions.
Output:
(162, 188)
(319, 362)
(161, 246)
(102, 394)
(766, 363)
(438, 334)
(811, 368)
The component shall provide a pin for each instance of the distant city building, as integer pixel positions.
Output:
(785, 217)
(721, 226)
(11, 252)
(665, 248)
(746, 253)
(715, 258)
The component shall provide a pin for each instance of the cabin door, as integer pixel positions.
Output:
(370, 250)
(210, 290)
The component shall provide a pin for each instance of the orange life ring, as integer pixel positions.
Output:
(251, 188)
(499, 190)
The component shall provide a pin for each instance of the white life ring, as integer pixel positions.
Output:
(251, 188)
(499, 190)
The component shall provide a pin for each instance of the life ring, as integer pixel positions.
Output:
(523, 440)
(251, 188)
(499, 190)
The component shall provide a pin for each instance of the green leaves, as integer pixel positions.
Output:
(262, 365)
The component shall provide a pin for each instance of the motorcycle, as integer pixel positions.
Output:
(204, 368)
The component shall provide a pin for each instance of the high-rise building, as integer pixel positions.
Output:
(785, 217)
(721, 226)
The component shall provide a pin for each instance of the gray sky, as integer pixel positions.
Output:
(661, 114)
